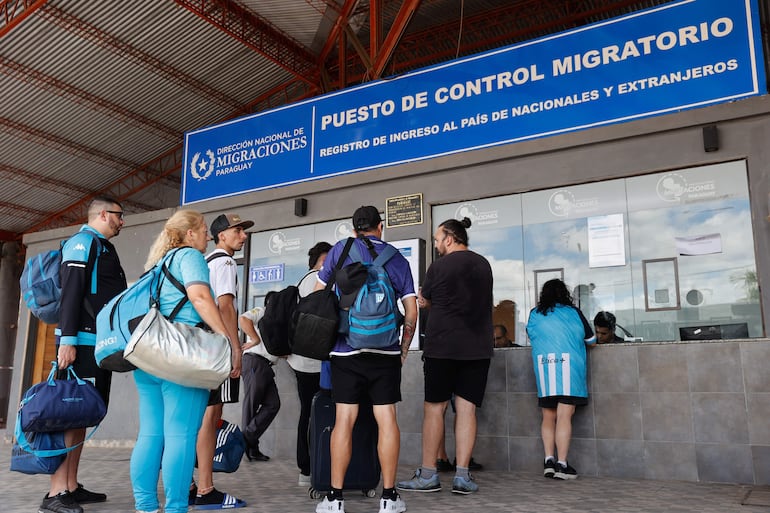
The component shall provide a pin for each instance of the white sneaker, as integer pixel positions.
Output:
(327, 506)
(303, 480)
(392, 506)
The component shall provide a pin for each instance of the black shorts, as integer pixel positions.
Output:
(553, 401)
(366, 377)
(226, 393)
(464, 378)
(85, 367)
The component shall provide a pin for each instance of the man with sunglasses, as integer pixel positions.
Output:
(91, 275)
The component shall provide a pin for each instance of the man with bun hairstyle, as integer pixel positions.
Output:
(457, 352)
(368, 375)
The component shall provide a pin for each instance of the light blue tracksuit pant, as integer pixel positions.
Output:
(169, 418)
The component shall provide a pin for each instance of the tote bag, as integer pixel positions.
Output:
(61, 404)
(39, 452)
(180, 353)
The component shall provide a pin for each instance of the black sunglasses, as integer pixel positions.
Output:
(118, 213)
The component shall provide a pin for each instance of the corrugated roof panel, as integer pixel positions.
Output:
(166, 70)
(297, 18)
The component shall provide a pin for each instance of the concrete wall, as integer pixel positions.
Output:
(667, 411)
(683, 411)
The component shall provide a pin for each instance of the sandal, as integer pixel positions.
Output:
(218, 500)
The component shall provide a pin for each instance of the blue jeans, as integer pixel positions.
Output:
(169, 418)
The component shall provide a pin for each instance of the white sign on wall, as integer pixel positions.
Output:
(606, 241)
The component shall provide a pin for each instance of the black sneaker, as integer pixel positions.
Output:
(83, 496)
(444, 466)
(60, 503)
(549, 468)
(565, 472)
(256, 455)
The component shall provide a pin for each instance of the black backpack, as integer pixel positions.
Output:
(314, 323)
(274, 324)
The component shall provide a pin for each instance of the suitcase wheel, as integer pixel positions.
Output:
(369, 493)
(315, 494)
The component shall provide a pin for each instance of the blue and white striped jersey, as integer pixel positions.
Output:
(559, 341)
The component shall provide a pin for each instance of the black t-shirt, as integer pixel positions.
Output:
(459, 287)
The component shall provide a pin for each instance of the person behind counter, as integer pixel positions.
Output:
(604, 327)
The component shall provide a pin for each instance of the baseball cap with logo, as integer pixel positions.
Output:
(225, 221)
(366, 218)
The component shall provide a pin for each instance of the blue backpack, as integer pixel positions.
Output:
(41, 282)
(373, 320)
(119, 318)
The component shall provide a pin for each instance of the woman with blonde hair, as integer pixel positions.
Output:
(170, 414)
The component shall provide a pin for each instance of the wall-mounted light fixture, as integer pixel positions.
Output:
(300, 207)
(710, 138)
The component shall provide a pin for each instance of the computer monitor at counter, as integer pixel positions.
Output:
(715, 332)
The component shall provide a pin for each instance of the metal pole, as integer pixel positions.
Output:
(10, 270)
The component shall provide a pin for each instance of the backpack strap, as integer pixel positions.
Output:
(94, 274)
(345, 251)
(369, 246)
(165, 265)
(355, 255)
(387, 253)
(381, 259)
(93, 258)
(214, 256)
(311, 271)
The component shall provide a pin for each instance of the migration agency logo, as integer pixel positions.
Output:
(467, 210)
(671, 186)
(201, 169)
(476, 216)
(562, 203)
(674, 187)
(278, 243)
(344, 230)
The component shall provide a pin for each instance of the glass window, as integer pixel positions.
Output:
(496, 233)
(278, 258)
(702, 218)
(670, 254)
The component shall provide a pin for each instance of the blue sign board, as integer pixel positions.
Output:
(681, 55)
(266, 273)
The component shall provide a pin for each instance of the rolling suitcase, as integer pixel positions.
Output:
(364, 470)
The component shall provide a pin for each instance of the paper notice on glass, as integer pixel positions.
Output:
(700, 245)
(606, 241)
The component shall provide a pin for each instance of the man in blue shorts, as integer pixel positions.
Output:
(369, 374)
(458, 349)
